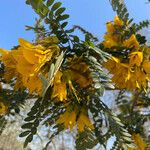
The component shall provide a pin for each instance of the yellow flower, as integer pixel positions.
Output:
(59, 87)
(125, 76)
(112, 39)
(26, 63)
(112, 64)
(10, 64)
(118, 21)
(68, 119)
(79, 72)
(136, 58)
(82, 80)
(140, 144)
(110, 27)
(3, 108)
(132, 42)
(73, 117)
(146, 66)
(84, 121)
(30, 63)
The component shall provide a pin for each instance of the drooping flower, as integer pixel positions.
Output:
(118, 22)
(10, 64)
(130, 75)
(68, 119)
(136, 58)
(78, 71)
(75, 117)
(140, 144)
(114, 36)
(3, 108)
(59, 87)
(111, 38)
(27, 62)
(132, 42)
(110, 27)
(146, 67)
(84, 121)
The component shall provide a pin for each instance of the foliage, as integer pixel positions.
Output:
(68, 77)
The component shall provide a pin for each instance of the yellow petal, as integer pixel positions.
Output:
(118, 21)
(3, 108)
(83, 122)
(146, 66)
(25, 43)
(136, 58)
(132, 42)
(110, 27)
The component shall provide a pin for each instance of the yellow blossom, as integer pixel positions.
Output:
(136, 58)
(146, 66)
(84, 121)
(118, 21)
(3, 108)
(132, 42)
(68, 119)
(79, 72)
(73, 117)
(140, 144)
(126, 76)
(59, 87)
(10, 64)
(26, 63)
(112, 39)
(110, 27)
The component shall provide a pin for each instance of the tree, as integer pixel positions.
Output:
(67, 77)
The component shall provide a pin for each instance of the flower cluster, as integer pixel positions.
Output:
(75, 116)
(76, 74)
(77, 71)
(24, 65)
(129, 65)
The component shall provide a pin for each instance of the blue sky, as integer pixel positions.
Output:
(90, 14)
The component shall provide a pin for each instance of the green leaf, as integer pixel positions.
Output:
(60, 11)
(56, 6)
(63, 17)
(29, 118)
(51, 72)
(86, 140)
(25, 133)
(59, 62)
(76, 39)
(39, 7)
(44, 80)
(64, 41)
(28, 140)
(28, 2)
(64, 24)
(49, 2)
(51, 15)
(27, 126)
(34, 130)
(57, 66)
